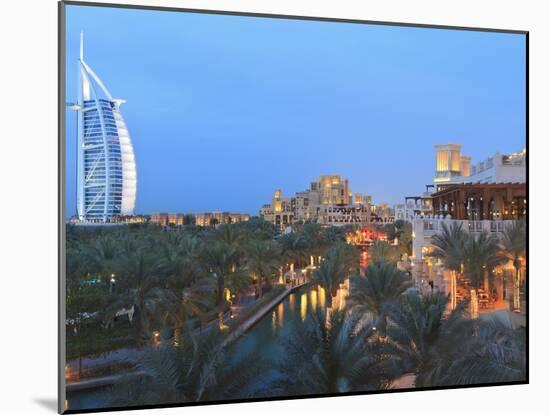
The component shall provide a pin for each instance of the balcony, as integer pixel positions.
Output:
(433, 224)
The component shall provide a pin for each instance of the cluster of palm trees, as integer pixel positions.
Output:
(170, 277)
(387, 331)
(478, 255)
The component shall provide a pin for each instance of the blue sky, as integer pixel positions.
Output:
(224, 109)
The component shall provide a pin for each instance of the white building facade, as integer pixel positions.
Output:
(106, 168)
(426, 268)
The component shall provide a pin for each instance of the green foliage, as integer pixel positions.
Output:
(258, 228)
(175, 280)
(197, 370)
(513, 242)
(375, 293)
(335, 268)
(263, 259)
(419, 331)
(495, 353)
(480, 256)
(219, 259)
(294, 249)
(383, 251)
(449, 246)
(334, 353)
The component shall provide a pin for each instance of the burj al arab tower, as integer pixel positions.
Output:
(106, 167)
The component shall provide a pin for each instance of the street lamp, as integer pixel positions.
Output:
(112, 282)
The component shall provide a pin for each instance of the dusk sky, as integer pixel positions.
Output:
(224, 109)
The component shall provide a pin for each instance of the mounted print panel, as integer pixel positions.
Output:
(262, 207)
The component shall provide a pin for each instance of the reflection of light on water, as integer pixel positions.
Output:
(281, 313)
(292, 302)
(303, 306)
(313, 297)
(274, 321)
(322, 296)
(339, 301)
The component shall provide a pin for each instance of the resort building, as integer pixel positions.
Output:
(214, 218)
(382, 213)
(478, 207)
(199, 219)
(106, 168)
(491, 189)
(482, 198)
(426, 269)
(415, 206)
(453, 167)
(328, 201)
(479, 201)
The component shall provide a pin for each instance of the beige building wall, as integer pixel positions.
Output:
(329, 200)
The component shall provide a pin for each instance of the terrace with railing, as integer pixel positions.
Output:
(432, 224)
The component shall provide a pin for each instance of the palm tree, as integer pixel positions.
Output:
(263, 259)
(258, 228)
(480, 256)
(77, 265)
(374, 293)
(173, 264)
(102, 255)
(230, 235)
(449, 247)
(397, 230)
(233, 237)
(382, 251)
(419, 331)
(330, 352)
(197, 370)
(219, 259)
(176, 307)
(293, 249)
(335, 234)
(513, 248)
(490, 351)
(334, 269)
(403, 233)
(315, 239)
(138, 287)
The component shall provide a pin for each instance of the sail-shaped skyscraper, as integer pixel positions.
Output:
(106, 167)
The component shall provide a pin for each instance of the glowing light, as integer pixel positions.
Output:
(274, 320)
(313, 298)
(292, 302)
(303, 306)
(322, 297)
(474, 304)
(453, 290)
